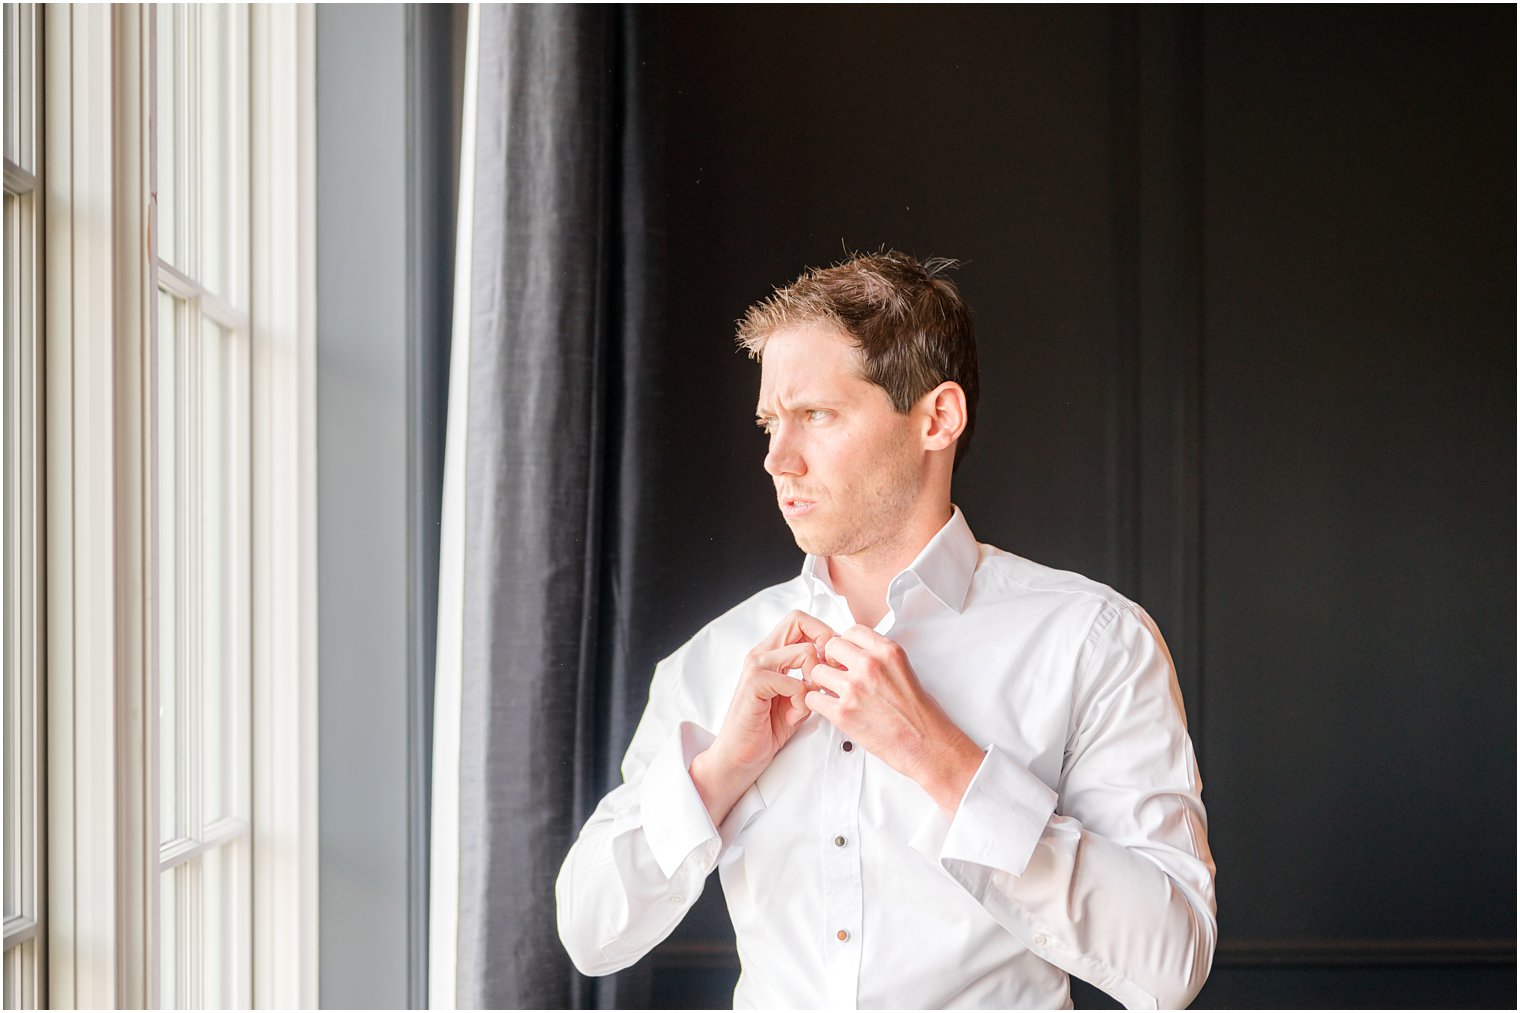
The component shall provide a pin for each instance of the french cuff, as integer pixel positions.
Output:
(998, 822)
(675, 820)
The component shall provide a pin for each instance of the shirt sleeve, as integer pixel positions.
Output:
(643, 857)
(1108, 875)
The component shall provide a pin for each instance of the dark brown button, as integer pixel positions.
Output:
(839, 842)
(848, 745)
(841, 935)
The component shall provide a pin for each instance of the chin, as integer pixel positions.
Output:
(807, 541)
(820, 543)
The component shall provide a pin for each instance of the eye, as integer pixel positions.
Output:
(818, 415)
(765, 423)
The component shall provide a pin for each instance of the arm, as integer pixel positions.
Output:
(1111, 877)
(644, 855)
(1117, 887)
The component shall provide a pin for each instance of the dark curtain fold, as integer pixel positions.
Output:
(562, 267)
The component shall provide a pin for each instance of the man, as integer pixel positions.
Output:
(929, 772)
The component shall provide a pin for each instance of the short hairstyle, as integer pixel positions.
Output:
(908, 320)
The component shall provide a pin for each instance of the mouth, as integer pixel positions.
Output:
(795, 506)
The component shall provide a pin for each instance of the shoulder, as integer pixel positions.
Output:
(1077, 611)
(703, 670)
(752, 618)
(1002, 577)
(1108, 643)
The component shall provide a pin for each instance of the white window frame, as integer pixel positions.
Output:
(103, 857)
(284, 485)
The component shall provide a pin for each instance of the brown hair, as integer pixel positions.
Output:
(909, 321)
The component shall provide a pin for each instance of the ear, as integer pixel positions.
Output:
(944, 414)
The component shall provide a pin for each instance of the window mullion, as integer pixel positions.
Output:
(219, 834)
(18, 181)
(212, 305)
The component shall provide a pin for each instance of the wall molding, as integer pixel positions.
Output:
(1364, 952)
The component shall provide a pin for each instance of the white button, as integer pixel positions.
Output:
(1039, 940)
(678, 899)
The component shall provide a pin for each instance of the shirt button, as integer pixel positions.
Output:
(1040, 940)
(678, 900)
(840, 842)
(841, 935)
(848, 745)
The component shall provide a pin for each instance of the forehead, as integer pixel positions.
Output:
(811, 362)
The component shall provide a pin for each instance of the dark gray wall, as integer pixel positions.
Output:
(1244, 285)
(388, 79)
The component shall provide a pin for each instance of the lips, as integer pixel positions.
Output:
(795, 506)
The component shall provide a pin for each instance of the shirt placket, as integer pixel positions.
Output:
(843, 883)
(839, 841)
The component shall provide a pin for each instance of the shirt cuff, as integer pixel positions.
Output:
(674, 818)
(999, 820)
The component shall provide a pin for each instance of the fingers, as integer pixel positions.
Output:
(834, 680)
(856, 647)
(796, 627)
(784, 659)
(847, 666)
(842, 653)
(820, 702)
(765, 684)
(798, 711)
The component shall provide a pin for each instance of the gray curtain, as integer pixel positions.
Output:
(557, 260)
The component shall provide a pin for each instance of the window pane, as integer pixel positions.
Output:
(223, 914)
(169, 186)
(223, 147)
(17, 984)
(19, 547)
(20, 26)
(13, 675)
(170, 440)
(218, 121)
(12, 782)
(171, 937)
(12, 84)
(220, 672)
(20, 534)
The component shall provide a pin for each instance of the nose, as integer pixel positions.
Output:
(783, 457)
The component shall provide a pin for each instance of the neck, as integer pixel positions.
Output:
(863, 577)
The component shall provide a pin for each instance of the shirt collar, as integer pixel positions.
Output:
(945, 565)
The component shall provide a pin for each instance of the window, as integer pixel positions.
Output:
(200, 540)
(158, 516)
(20, 434)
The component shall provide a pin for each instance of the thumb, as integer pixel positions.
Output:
(797, 712)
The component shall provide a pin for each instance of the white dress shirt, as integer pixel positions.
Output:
(1079, 847)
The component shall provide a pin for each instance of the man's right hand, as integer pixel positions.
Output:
(767, 708)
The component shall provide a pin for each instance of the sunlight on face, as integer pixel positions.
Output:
(846, 465)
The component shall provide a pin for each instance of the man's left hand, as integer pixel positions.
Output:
(874, 697)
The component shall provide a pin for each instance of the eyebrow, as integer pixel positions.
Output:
(804, 404)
